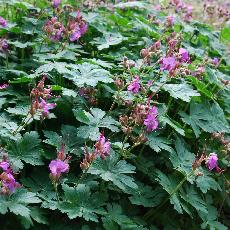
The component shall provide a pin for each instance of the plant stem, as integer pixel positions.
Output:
(152, 212)
(56, 191)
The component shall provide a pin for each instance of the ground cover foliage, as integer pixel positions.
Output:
(113, 116)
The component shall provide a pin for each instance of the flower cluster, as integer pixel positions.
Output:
(75, 28)
(54, 29)
(147, 53)
(59, 166)
(8, 182)
(101, 148)
(175, 57)
(39, 96)
(186, 10)
(151, 121)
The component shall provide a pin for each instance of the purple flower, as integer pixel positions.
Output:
(4, 165)
(4, 45)
(57, 167)
(168, 63)
(212, 161)
(151, 121)
(170, 20)
(57, 35)
(215, 61)
(4, 86)
(184, 55)
(56, 3)
(3, 22)
(45, 107)
(83, 28)
(135, 85)
(102, 146)
(75, 35)
(9, 183)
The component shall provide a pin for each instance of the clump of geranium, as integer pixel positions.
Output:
(59, 166)
(8, 182)
(73, 30)
(101, 148)
(39, 97)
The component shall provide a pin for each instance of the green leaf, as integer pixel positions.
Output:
(205, 182)
(88, 74)
(201, 87)
(115, 215)
(94, 120)
(206, 116)
(132, 4)
(225, 34)
(80, 202)
(111, 169)
(182, 159)
(191, 196)
(18, 203)
(169, 183)
(108, 39)
(68, 137)
(158, 143)
(146, 196)
(182, 91)
(176, 126)
(26, 149)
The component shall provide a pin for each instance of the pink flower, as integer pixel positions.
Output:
(184, 55)
(57, 167)
(3, 22)
(168, 63)
(151, 121)
(57, 35)
(188, 13)
(170, 20)
(4, 45)
(83, 28)
(9, 183)
(212, 161)
(75, 35)
(45, 107)
(135, 85)
(56, 3)
(4, 86)
(102, 146)
(215, 61)
(4, 165)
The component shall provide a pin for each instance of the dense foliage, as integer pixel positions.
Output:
(113, 116)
